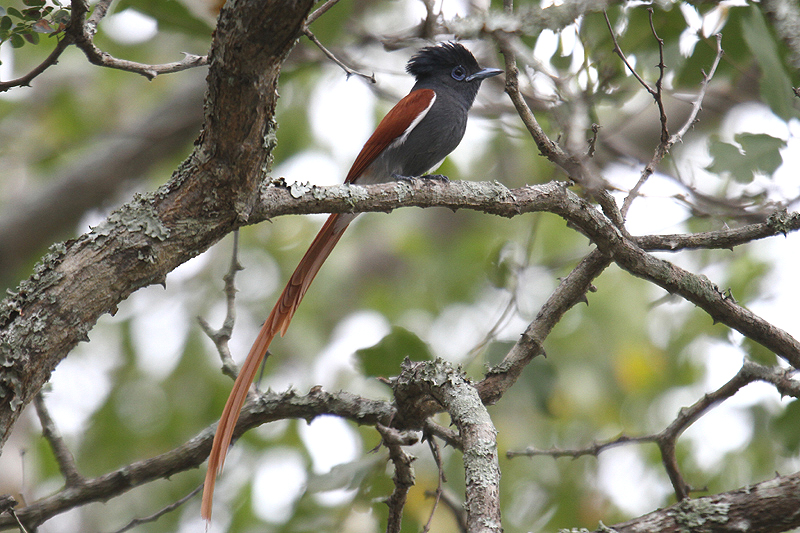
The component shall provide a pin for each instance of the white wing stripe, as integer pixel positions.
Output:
(400, 140)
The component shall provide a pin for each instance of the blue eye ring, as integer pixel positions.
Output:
(459, 73)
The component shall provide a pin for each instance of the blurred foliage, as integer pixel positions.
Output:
(438, 281)
(37, 17)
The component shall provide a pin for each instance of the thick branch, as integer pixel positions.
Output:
(144, 240)
(767, 507)
(554, 197)
(431, 383)
(208, 197)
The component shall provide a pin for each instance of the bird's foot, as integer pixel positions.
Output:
(432, 177)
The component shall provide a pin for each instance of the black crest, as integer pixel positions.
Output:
(432, 59)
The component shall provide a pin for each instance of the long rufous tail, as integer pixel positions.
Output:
(278, 321)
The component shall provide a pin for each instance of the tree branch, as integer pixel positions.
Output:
(267, 407)
(208, 197)
(728, 512)
(448, 388)
(101, 268)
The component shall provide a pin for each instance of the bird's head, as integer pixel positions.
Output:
(449, 64)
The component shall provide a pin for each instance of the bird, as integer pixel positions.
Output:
(413, 139)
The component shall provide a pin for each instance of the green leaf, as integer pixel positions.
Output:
(384, 358)
(15, 13)
(31, 37)
(5, 23)
(34, 3)
(759, 153)
(32, 14)
(763, 150)
(776, 87)
(17, 41)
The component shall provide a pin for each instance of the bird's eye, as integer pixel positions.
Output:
(459, 73)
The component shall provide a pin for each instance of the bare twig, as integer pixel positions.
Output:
(348, 71)
(621, 54)
(221, 336)
(456, 506)
(81, 34)
(52, 59)
(660, 81)
(687, 416)
(64, 457)
(98, 13)
(317, 13)
(668, 437)
(450, 437)
(155, 516)
(569, 292)
(665, 146)
(549, 148)
(593, 449)
(437, 495)
(103, 59)
(698, 102)
(7, 504)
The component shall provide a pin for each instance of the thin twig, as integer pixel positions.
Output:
(456, 506)
(664, 147)
(449, 436)
(668, 437)
(52, 59)
(348, 71)
(64, 457)
(659, 96)
(221, 336)
(155, 516)
(82, 34)
(437, 457)
(698, 102)
(320, 11)
(621, 54)
(7, 504)
(594, 449)
(21, 527)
